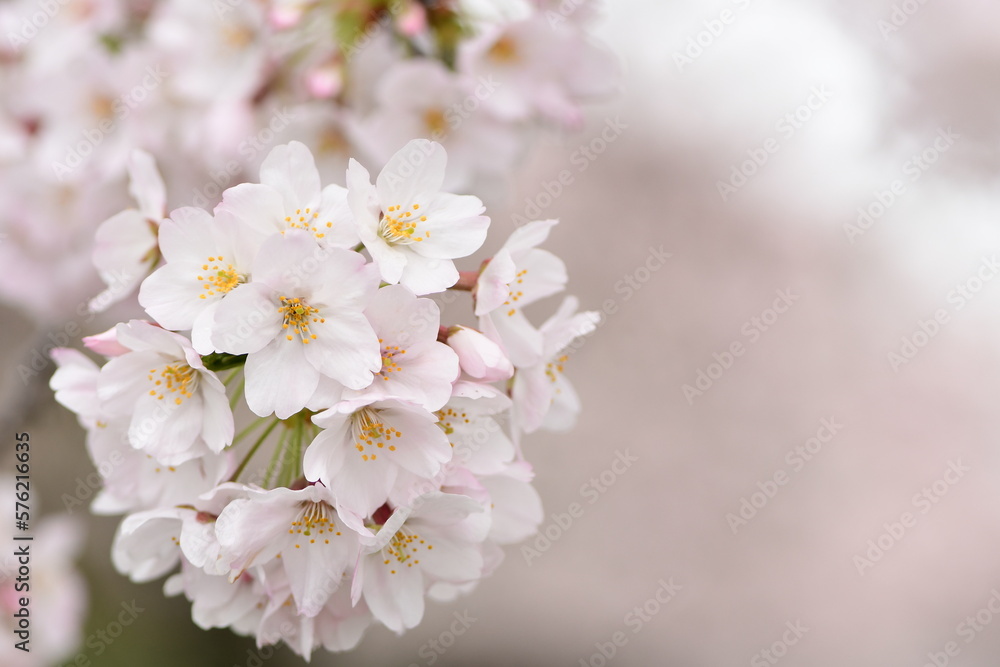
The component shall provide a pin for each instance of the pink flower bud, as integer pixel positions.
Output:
(413, 22)
(106, 344)
(478, 356)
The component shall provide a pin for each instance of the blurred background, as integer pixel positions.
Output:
(789, 219)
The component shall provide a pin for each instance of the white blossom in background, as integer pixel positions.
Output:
(209, 88)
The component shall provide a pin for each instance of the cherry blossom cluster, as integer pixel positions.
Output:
(209, 86)
(292, 434)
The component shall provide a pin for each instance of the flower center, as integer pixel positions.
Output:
(370, 431)
(403, 548)
(504, 51)
(308, 220)
(176, 378)
(217, 280)
(515, 295)
(389, 364)
(448, 417)
(298, 315)
(436, 122)
(401, 228)
(556, 366)
(312, 523)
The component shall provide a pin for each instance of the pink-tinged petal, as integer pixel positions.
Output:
(317, 567)
(325, 455)
(279, 379)
(363, 486)
(124, 250)
(452, 561)
(143, 548)
(522, 342)
(217, 427)
(446, 510)
(327, 393)
(105, 344)
(201, 329)
(291, 263)
(343, 280)
(422, 448)
(291, 170)
(75, 382)
(167, 431)
(255, 207)
(517, 509)
(395, 599)
(336, 221)
(541, 274)
(247, 319)
(424, 378)
(424, 275)
(454, 227)
(247, 529)
(529, 235)
(187, 235)
(532, 395)
(413, 175)
(492, 286)
(361, 196)
(565, 407)
(479, 356)
(345, 349)
(390, 260)
(123, 379)
(172, 295)
(339, 627)
(400, 318)
(146, 185)
(564, 326)
(140, 335)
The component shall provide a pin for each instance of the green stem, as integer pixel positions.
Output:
(248, 429)
(253, 450)
(359, 247)
(275, 457)
(230, 378)
(238, 394)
